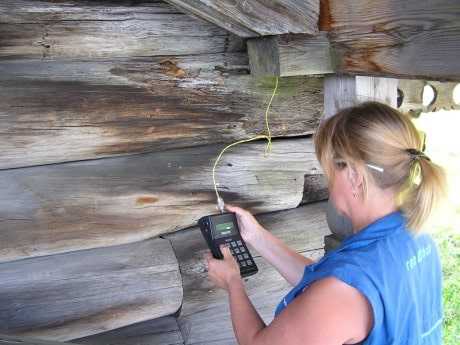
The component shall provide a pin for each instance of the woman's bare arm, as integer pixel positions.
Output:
(288, 262)
(328, 312)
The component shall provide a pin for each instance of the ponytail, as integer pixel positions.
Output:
(424, 189)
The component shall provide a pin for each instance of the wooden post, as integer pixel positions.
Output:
(344, 91)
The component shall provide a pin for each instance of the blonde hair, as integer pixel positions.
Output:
(385, 145)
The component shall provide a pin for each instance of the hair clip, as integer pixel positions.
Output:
(372, 166)
(416, 154)
(375, 167)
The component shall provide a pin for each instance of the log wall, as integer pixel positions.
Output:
(84, 80)
(112, 114)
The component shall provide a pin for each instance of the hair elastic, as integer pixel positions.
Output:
(416, 154)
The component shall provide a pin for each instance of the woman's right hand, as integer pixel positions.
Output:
(250, 228)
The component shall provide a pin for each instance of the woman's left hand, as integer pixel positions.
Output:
(222, 272)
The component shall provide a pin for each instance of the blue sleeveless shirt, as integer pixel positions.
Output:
(399, 274)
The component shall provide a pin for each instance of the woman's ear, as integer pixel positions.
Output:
(355, 178)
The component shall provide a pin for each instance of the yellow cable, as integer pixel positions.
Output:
(260, 136)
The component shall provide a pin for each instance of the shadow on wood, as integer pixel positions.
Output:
(205, 317)
(68, 296)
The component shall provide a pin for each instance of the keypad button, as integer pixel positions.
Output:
(243, 264)
(233, 244)
(242, 250)
(239, 243)
(237, 251)
(246, 256)
(240, 257)
(249, 262)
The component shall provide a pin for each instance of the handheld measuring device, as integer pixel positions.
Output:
(223, 229)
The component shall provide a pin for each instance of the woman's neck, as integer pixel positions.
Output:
(375, 207)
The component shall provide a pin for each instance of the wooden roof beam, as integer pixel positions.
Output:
(376, 37)
(256, 17)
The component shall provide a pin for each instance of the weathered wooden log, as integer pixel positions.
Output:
(255, 18)
(161, 331)
(68, 296)
(104, 30)
(93, 95)
(205, 317)
(379, 38)
(390, 39)
(54, 112)
(11, 340)
(290, 55)
(70, 206)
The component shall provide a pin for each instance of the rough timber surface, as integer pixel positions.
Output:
(70, 206)
(83, 80)
(205, 316)
(389, 38)
(67, 296)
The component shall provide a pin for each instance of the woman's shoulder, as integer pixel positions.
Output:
(332, 308)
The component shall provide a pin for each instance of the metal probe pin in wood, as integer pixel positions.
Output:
(220, 204)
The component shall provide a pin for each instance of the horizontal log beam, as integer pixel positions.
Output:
(388, 38)
(67, 296)
(62, 111)
(256, 18)
(377, 38)
(11, 340)
(302, 229)
(91, 80)
(71, 206)
(164, 330)
(105, 30)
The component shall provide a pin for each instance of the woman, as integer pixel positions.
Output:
(383, 284)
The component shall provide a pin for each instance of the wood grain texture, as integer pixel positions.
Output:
(75, 110)
(290, 55)
(346, 91)
(72, 29)
(67, 296)
(256, 17)
(70, 206)
(93, 93)
(205, 317)
(390, 38)
(12, 340)
(161, 331)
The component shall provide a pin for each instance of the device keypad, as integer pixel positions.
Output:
(240, 253)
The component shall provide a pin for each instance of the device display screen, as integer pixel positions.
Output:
(223, 229)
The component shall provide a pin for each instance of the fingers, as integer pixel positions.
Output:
(235, 209)
(229, 207)
(225, 251)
